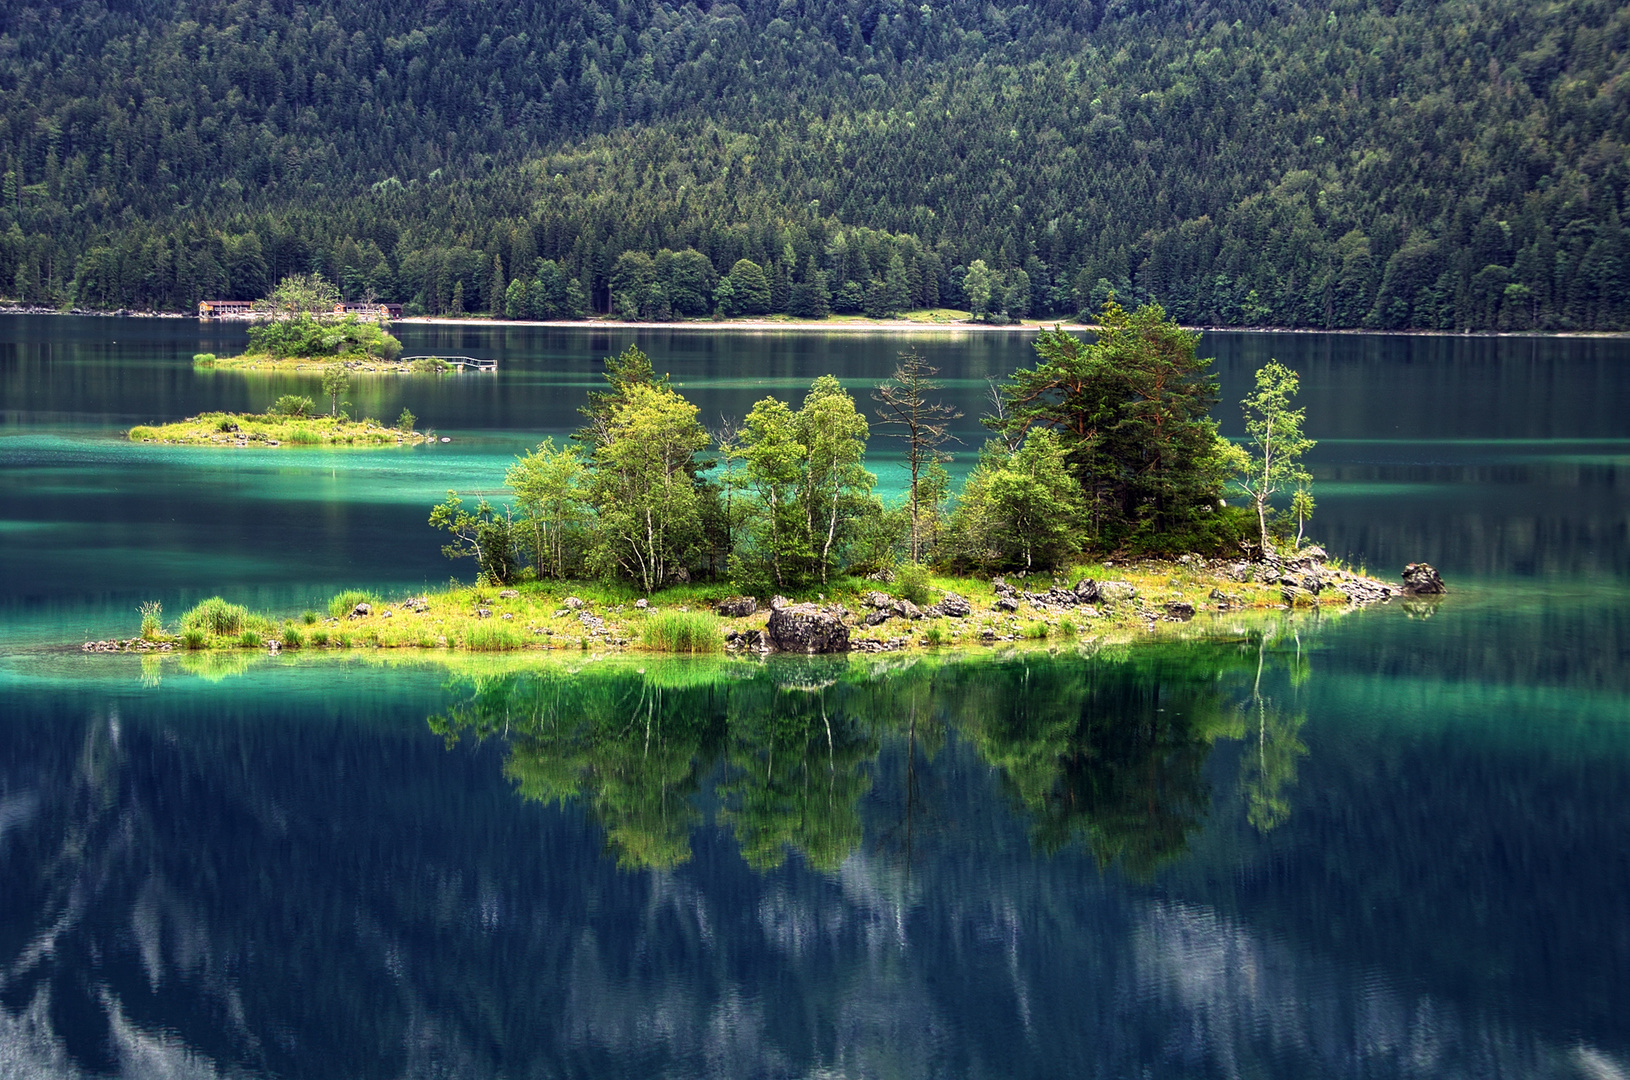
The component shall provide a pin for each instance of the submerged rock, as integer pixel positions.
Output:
(805, 628)
(1421, 580)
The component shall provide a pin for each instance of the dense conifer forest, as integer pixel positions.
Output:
(1390, 164)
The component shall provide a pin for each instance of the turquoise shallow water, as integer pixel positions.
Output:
(1391, 844)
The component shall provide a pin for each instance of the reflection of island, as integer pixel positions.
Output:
(290, 882)
(1105, 751)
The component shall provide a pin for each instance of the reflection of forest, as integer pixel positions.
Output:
(1106, 750)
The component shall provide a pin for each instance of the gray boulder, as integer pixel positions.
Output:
(571, 603)
(1180, 609)
(1421, 580)
(1115, 592)
(508, 594)
(955, 606)
(805, 628)
(361, 611)
(737, 607)
(878, 616)
(875, 599)
(1006, 602)
(907, 610)
(1086, 591)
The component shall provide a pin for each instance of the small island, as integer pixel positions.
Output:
(1106, 506)
(274, 429)
(289, 422)
(1105, 603)
(303, 326)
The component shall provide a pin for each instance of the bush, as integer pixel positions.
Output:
(319, 638)
(310, 618)
(405, 421)
(1036, 631)
(226, 423)
(341, 605)
(249, 640)
(935, 636)
(291, 637)
(682, 632)
(1066, 628)
(490, 638)
(203, 359)
(215, 616)
(193, 639)
(292, 405)
(139, 433)
(911, 583)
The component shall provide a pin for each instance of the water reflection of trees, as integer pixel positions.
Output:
(1106, 750)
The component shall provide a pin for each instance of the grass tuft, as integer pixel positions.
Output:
(341, 605)
(488, 638)
(152, 620)
(1036, 631)
(292, 638)
(193, 639)
(682, 632)
(215, 616)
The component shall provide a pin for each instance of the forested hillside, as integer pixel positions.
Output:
(1391, 164)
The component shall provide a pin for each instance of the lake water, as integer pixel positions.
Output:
(1390, 844)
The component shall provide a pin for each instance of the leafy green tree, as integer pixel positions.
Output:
(551, 494)
(292, 405)
(776, 462)
(835, 486)
(979, 287)
(484, 536)
(1273, 461)
(647, 508)
(301, 296)
(629, 369)
(336, 381)
(749, 289)
(1019, 508)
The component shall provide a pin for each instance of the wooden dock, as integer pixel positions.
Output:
(468, 363)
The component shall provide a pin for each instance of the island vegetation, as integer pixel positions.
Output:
(290, 421)
(1101, 495)
(301, 326)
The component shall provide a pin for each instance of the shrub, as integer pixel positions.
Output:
(291, 637)
(310, 618)
(301, 435)
(341, 605)
(911, 583)
(215, 616)
(203, 359)
(682, 632)
(226, 423)
(249, 639)
(405, 421)
(1066, 628)
(493, 639)
(152, 619)
(319, 638)
(292, 405)
(1036, 631)
(935, 636)
(139, 433)
(193, 639)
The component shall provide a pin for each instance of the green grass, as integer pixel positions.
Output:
(292, 638)
(345, 602)
(194, 639)
(935, 636)
(319, 638)
(215, 616)
(152, 620)
(310, 618)
(489, 638)
(1036, 631)
(682, 632)
(250, 640)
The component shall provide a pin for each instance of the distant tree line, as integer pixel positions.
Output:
(1375, 163)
